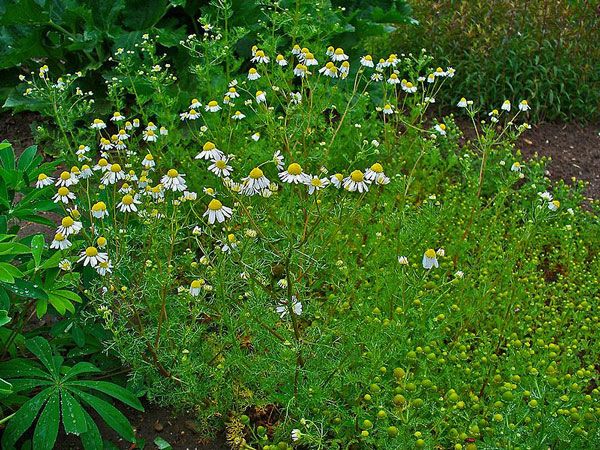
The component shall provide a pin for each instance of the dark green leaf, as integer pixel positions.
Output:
(73, 415)
(42, 350)
(46, 429)
(23, 419)
(114, 390)
(37, 247)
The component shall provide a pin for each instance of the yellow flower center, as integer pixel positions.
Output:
(232, 90)
(231, 237)
(65, 176)
(377, 168)
(220, 164)
(101, 241)
(394, 76)
(439, 70)
(330, 65)
(310, 56)
(196, 284)
(193, 111)
(339, 176)
(42, 177)
(117, 114)
(103, 162)
(75, 170)
(75, 214)
(294, 169)
(100, 206)
(209, 146)
(252, 71)
(215, 205)
(115, 168)
(59, 237)
(280, 58)
(316, 182)
(212, 103)
(256, 173)
(91, 251)
(556, 203)
(260, 53)
(149, 157)
(357, 176)
(369, 58)
(409, 84)
(442, 126)
(259, 93)
(172, 173)
(63, 191)
(430, 253)
(194, 101)
(150, 124)
(339, 51)
(388, 106)
(149, 133)
(127, 199)
(67, 222)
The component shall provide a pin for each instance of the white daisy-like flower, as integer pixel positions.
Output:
(220, 167)
(462, 103)
(66, 179)
(163, 131)
(296, 50)
(403, 260)
(516, 167)
(296, 97)
(212, 106)
(524, 106)
(278, 160)
(151, 127)
(337, 180)
(150, 136)
(136, 123)
(339, 55)
(69, 226)
(196, 287)
(296, 435)
(310, 60)
(255, 137)
(104, 267)
(450, 71)
(122, 135)
(192, 114)
(217, 212)
(255, 182)
(367, 61)
(282, 310)
(195, 104)
(65, 265)
(506, 106)
(113, 175)
(440, 128)
(105, 144)
(174, 181)
(60, 242)
(377, 77)
(261, 97)
(316, 184)
(409, 88)
(63, 195)
(128, 203)
(356, 182)
(330, 50)
(148, 162)
(210, 151)
(388, 109)
(553, 205)
(393, 79)
(98, 124)
(43, 180)
(345, 69)
(232, 93)
(294, 174)
(253, 74)
(99, 210)
(329, 70)
(439, 72)
(373, 172)
(92, 257)
(430, 259)
(238, 115)
(283, 283)
(545, 196)
(279, 59)
(260, 57)
(301, 70)
(86, 172)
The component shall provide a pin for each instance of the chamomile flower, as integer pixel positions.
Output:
(92, 257)
(337, 180)
(253, 74)
(64, 179)
(409, 88)
(393, 79)
(151, 127)
(296, 435)
(63, 195)
(220, 167)
(403, 260)
(388, 109)
(65, 265)
(330, 51)
(441, 128)
(278, 160)
(296, 50)
(122, 135)
(212, 106)
(377, 77)
(279, 59)
(439, 72)
(356, 182)
(431, 78)
(283, 309)
(373, 172)
(462, 103)
(450, 71)
(99, 210)
(43, 180)
(301, 70)
(60, 242)
(101, 242)
(86, 172)
(114, 174)
(255, 137)
(524, 106)
(261, 97)
(128, 203)
(196, 287)
(494, 115)
(254, 182)
(128, 126)
(339, 55)
(506, 106)
(232, 93)
(553, 205)
(329, 70)
(98, 124)
(316, 184)
(148, 162)
(150, 136)
(310, 60)
(136, 123)
(382, 180)
(260, 57)
(163, 131)
(174, 181)
(210, 151)
(296, 97)
(192, 115)
(238, 115)
(69, 226)
(104, 267)
(217, 212)
(345, 69)
(105, 144)
(294, 174)
(430, 259)
(195, 104)
(516, 167)
(367, 61)
(117, 117)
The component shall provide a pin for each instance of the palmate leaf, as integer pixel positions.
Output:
(23, 419)
(73, 415)
(42, 350)
(91, 439)
(78, 369)
(113, 390)
(46, 429)
(111, 415)
(22, 368)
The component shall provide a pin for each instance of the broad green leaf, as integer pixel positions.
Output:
(5, 275)
(5, 388)
(91, 439)
(23, 419)
(4, 299)
(111, 415)
(162, 444)
(73, 415)
(52, 261)
(78, 369)
(4, 319)
(13, 248)
(27, 158)
(7, 156)
(41, 308)
(46, 429)
(114, 390)
(42, 350)
(37, 247)
(69, 295)
(22, 368)
(26, 289)
(13, 271)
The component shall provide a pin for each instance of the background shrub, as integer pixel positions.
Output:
(545, 51)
